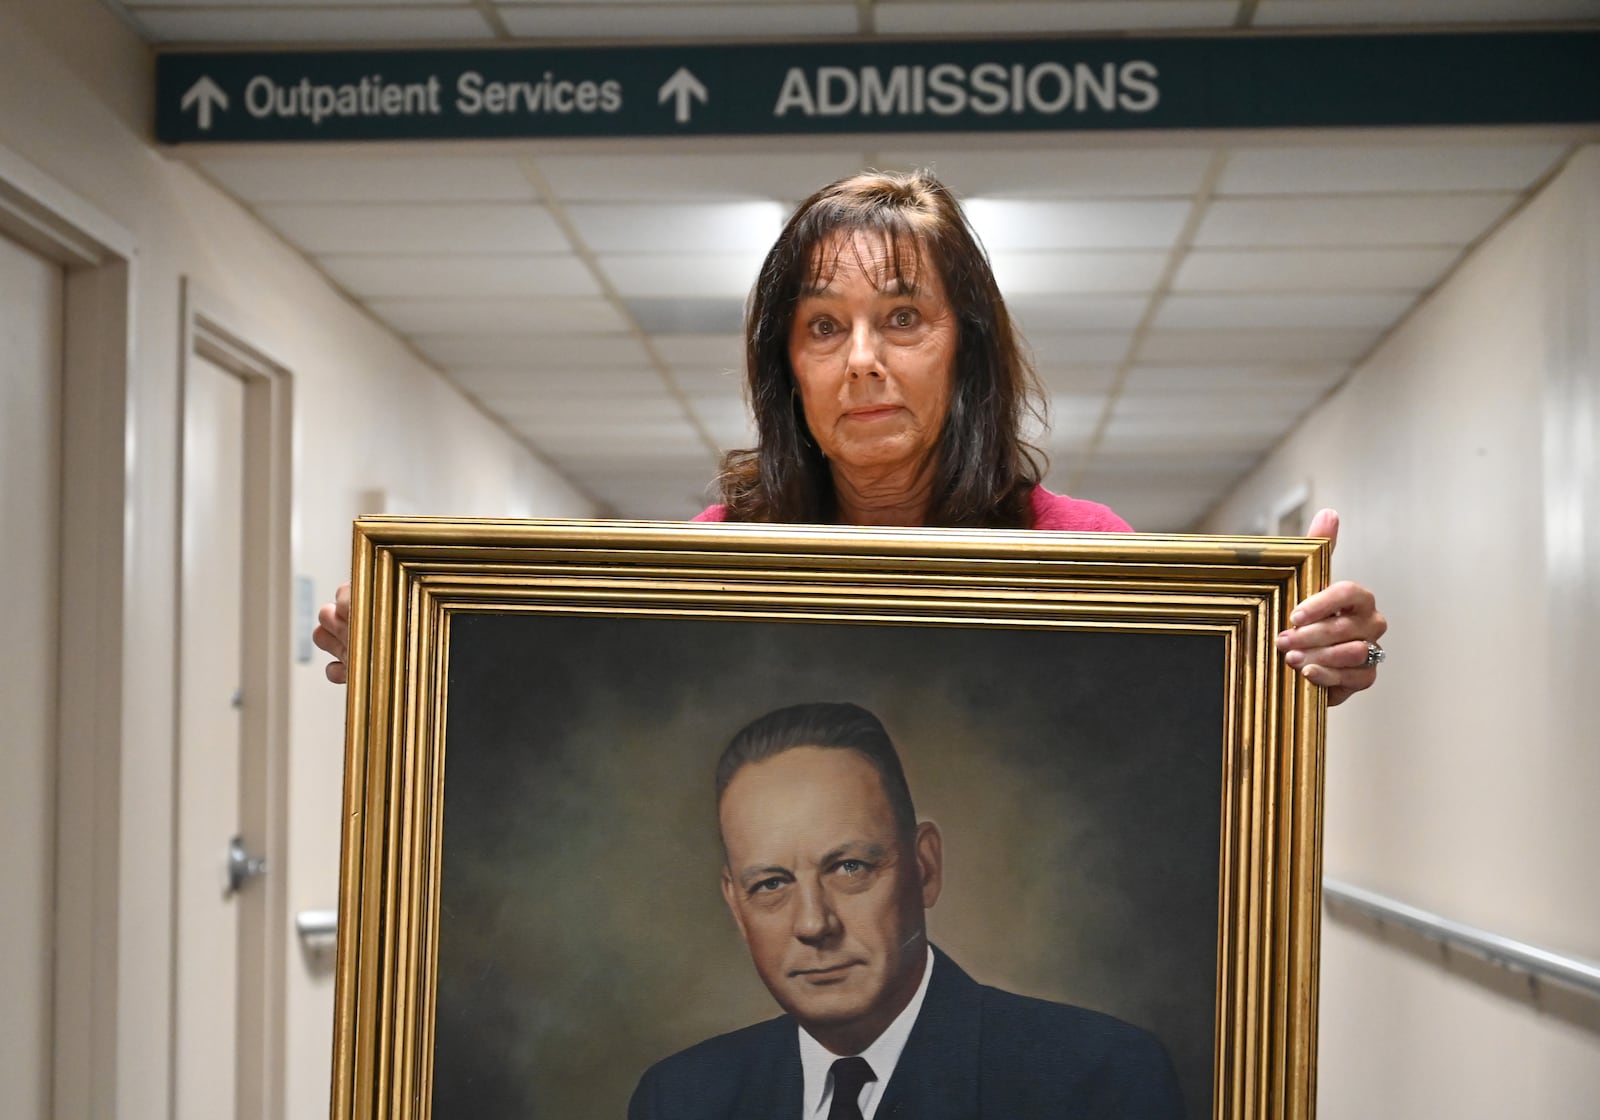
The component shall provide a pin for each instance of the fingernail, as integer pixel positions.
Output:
(1297, 618)
(1295, 658)
(1283, 639)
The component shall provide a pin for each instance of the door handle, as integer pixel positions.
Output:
(242, 866)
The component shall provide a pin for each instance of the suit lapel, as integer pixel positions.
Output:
(773, 1087)
(937, 1075)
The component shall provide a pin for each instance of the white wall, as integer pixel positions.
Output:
(76, 102)
(1464, 456)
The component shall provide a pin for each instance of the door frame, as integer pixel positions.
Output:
(98, 516)
(222, 335)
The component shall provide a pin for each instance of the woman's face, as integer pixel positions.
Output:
(874, 356)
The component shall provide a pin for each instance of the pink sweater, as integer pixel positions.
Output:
(1050, 511)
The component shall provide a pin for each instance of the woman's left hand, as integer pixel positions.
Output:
(1328, 644)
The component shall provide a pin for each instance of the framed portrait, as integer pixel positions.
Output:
(570, 885)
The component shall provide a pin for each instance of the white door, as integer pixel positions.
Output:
(210, 703)
(31, 325)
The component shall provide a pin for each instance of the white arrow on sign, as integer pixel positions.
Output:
(684, 86)
(205, 93)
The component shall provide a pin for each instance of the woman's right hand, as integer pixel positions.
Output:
(333, 633)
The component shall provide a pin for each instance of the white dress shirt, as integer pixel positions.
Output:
(883, 1055)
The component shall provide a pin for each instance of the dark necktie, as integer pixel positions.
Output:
(849, 1074)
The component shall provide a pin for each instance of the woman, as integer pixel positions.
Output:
(889, 388)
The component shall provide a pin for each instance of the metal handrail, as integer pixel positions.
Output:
(317, 925)
(1569, 971)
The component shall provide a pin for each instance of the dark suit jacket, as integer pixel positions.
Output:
(975, 1051)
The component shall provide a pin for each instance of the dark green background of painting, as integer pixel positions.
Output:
(1076, 777)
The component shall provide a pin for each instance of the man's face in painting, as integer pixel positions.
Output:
(828, 893)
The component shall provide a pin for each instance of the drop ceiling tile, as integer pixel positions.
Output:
(725, 227)
(1080, 312)
(709, 384)
(458, 352)
(702, 352)
(1254, 347)
(1073, 380)
(695, 177)
(529, 389)
(1308, 381)
(459, 277)
(919, 17)
(1081, 348)
(683, 274)
(312, 25)
(411, 229)
(1072, 420)
(622, 408)
(631, 433)
(689, 471)
(687, 316)
(1062, 171)
(1203, 466)
(1378, 169)
(1007, 224)
(1384, 221)
(620, 446)
(291, 3)
(1265, 310)
(723, 408)
(1344, 13)
(333, 177)
(1021, 274)
(1313, 270)
(501, 316)
(678, 20)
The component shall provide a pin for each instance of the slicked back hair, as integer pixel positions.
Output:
(831, 727)
(985, 472)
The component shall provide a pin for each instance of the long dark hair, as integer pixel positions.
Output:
(985, 472)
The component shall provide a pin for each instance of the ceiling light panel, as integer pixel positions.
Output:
(913, 17)
(728, 227)
(1378, 169)
(728, 275)
(1213, 312)
(459, 277)
(1020, 274)
(1313, 270)
(302, 24)
(1009, 224)
(695, 177)
(411, 229)
(678, 20)
(557, 354)
(501, 316)
(271, 177)
(1343, 13)
(1383, 221)
(1063, 172)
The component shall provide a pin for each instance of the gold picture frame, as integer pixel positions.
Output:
(946, 618)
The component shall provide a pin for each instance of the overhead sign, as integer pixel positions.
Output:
(1003, 85)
